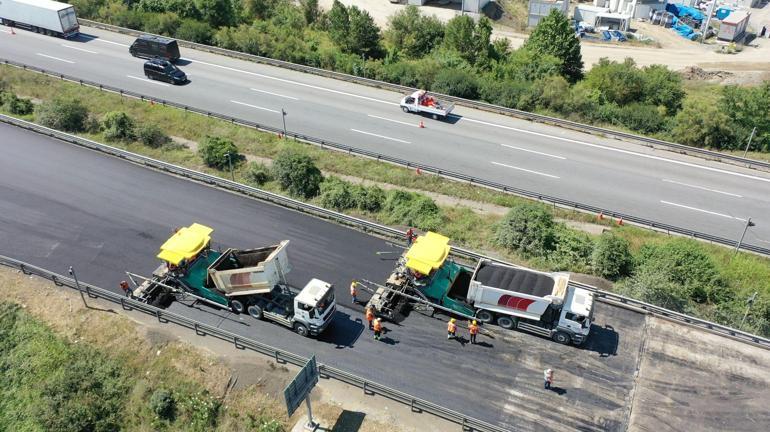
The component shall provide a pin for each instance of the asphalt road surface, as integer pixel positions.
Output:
(63, 205)
(662, 186)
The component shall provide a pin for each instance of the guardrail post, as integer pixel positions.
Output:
(197, 330)
(23, 270)
(88, 292)
(123, 304)
(278, 358)
(237, 345)
(160, 318)
(55, 280)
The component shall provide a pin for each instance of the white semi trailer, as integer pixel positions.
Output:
(40, 16)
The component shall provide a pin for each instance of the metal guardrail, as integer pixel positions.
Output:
(556, 201)
(369, 387)
(650, 142)
(370, 227)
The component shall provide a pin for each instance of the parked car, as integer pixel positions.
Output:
(155, 46)
(163, 70)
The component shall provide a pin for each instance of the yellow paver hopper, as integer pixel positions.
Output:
(185, 244)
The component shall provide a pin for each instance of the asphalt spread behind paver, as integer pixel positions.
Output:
(61, 205)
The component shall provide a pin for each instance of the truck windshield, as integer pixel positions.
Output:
(325, 303)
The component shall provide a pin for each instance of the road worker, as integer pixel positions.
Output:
(473, 329)
(451, 329)
(410, 236)
(548, 378)
(377, 328)
(369, 316)
(126, 289)
(354, 291)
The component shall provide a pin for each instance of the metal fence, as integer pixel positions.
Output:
(556, 201)
(370, 227)
(369, 387)
(650, 142)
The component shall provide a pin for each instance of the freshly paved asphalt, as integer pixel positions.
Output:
(62, 205)
(657, 185)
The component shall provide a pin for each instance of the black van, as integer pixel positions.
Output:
(163, 70)
(155, 46)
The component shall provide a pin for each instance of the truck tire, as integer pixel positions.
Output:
(405, 109)
(506, 322)
(301, 330)
(561, 337)
(237, 306)
(255, 311)
(485, 316)
(435, 116)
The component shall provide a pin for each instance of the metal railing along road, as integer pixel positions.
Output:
(370, 227)
(650, 142)
(556, 201)
(240, 342)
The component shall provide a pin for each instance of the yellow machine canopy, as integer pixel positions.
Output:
(185, 243)
(427, 253)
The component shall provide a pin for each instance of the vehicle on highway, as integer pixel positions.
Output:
(513, 297)
(249, 280)
(164, 70)
(147, 46)
(422, 102)
(41, 16)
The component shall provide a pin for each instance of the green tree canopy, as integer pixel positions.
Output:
(470, 39)
(749, 107)
(413, 34)
(354, 30)
(554, 35)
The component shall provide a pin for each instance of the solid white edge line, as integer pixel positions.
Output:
(525, 170)
(110, 42)
(533, 151)
(255, 106)
(56, 58)
(391, 120)
(381, 136)
(79, 49)
(702, 211)
(629, 152)
(148, 80)
(702, 188)
(275, 94)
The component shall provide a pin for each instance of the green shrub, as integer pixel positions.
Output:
(296, 173)
(412, 209)
(652, 286)
(335, 194)
(527, 228)
(65, 114)
(162, 23)
(612, 257)
(573, 250)
(152, 136)
(162, 404)
(219, 153)
(16, 105)
(368, 198)
(456, 82)
(195, 31)
(258, 174)
(642, 118)
(118, 126)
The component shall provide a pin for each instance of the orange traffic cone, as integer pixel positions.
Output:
(152, 102)
(12, 32)
(422, 125)
(419, 171)
(620, 221)
(601, 216)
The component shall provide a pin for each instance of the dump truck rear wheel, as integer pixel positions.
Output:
(301, 329)
(236, 306)
(255, 311)
(506, 322)
(561, 337)
(485, 316)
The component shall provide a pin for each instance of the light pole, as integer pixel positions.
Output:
(283, 117)
(749, 302)
(77, 285)
(749, 223)
(230, 163)
(753, 131)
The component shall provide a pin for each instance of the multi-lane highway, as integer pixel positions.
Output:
(657, 185)
(62, 205)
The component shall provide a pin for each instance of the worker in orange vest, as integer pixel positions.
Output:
(126, 289)
(354, 291)
(377, 328)
(369, 316)
(473, 329)
(451, 329)
(410, 236)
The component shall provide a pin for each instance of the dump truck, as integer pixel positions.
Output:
(423, 102)
(512, 297)
(244, 281)
(40, 16)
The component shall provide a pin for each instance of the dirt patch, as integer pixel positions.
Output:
(695, 73)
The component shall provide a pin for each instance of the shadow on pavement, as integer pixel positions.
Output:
(343, 331)
(603, 340)
(558, 390)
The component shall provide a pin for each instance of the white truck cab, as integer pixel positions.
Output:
(314, 306)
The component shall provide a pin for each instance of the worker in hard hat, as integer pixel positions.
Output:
(473, 329)
(377, 328)
(451, 329)
(369, 316)
(126, 289)
(354, 291)
(548, 378)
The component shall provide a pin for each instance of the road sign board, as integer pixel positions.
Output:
(300, 387)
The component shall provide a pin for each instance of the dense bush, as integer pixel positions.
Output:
(653, 286)
(456, 82)
(527, 228)
(641, 117)
(195, 31)
(219, 153)
(296, 173)
(258, 174)
(162, 404)
(152, 136)
(611, 257)
(118, 126)
(65, 114)
(369, 198)
(335, 194)
(573, 250)
(16, 105)
(412, 34)
(412, 209)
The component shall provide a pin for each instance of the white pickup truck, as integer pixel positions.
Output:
(422, 102)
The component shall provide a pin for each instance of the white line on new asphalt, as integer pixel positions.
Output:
(702, 188)
(255, 106)
(394, 121)
(525, 170)
(79, 49)
(110, 42)
(56, 58)
(275, 94)
(147, 80)
(702, 211)
(381, 136)
(533, 151)
(629, 152)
